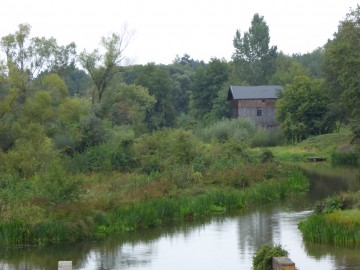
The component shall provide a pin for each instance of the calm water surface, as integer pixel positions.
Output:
(218, 243)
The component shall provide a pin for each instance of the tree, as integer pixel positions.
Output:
(157, 80)
(28, 57)
(312, 61)
(127, 105)
(207, 83)
(341, 64)
(287, 69)
(254, 59)
(302, 109)
(103, 67)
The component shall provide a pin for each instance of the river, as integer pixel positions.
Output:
(216, 243)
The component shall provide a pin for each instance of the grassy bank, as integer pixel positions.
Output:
(339, 227)
(93, 218)
(318, 146)
(335, 221)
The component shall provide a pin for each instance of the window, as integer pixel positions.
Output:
(258, 112)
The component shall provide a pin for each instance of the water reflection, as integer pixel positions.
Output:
(217, 243)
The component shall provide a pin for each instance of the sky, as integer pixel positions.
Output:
(163, 29)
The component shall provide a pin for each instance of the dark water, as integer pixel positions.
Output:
(217, 243)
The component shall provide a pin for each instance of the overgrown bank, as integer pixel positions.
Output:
(335, 221)
(71, 222)
(138, 182)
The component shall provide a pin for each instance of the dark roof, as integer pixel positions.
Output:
(254, 92)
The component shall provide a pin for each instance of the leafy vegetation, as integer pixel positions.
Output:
(263, 258)
(336, 220)
(84, 153)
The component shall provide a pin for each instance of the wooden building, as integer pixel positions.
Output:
(255, 102)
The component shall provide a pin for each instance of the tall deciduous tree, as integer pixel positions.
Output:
(302, 109)
(207, 83)
(158, 81)
(341, 69)
(103, 67)
(254, 58)
(29, 57)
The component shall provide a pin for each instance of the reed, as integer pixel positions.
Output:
(64, 223)
(161, 211)
(338, 227)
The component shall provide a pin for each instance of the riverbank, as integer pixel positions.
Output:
(114, 204)
(337, 219)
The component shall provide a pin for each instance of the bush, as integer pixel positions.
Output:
(266, 138)
(242, 130)
(263, 258)
(162, 149)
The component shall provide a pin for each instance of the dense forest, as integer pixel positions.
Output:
(67, 115)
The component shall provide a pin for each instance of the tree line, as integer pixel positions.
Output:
(52, 97)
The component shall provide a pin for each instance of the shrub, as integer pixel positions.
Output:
(263, 258)
(241, 130)
(266, 138)
(162, 149)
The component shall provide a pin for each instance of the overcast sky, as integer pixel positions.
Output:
(165, 28)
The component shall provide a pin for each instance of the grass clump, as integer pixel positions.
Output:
(262, 260)
(335, 221)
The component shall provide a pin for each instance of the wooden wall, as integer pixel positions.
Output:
(260, 111)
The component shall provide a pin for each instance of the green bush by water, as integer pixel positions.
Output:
(263, 258)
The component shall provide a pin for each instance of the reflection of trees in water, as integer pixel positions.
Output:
(344, 257)
(325, 182)
(255, 229)
(41, 258)
(120, 257)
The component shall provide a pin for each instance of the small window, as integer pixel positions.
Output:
(258, 112)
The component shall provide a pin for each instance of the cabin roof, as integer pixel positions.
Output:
(254, 92)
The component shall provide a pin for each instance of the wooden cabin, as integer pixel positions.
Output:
(255, 102)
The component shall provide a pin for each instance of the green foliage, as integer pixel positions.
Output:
(32, 152)
(302, 110)
(287, 69)
(312, 61)
(341, 59)
(241, 130)
(158, 81)
(103, 67)
(330, 205)
(266, 138)
(263, 258)
(157, 151)
(127, 105)
(93, 132)
(338, 227)
(207, 88)
(56, 186)
(336, 220)
(254, 59)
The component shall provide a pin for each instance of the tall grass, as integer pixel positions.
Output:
(339, 227)
(71, 221)
(155, 212)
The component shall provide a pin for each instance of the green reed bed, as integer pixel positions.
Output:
(161, 211)
(341, 227)
(56, 227)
